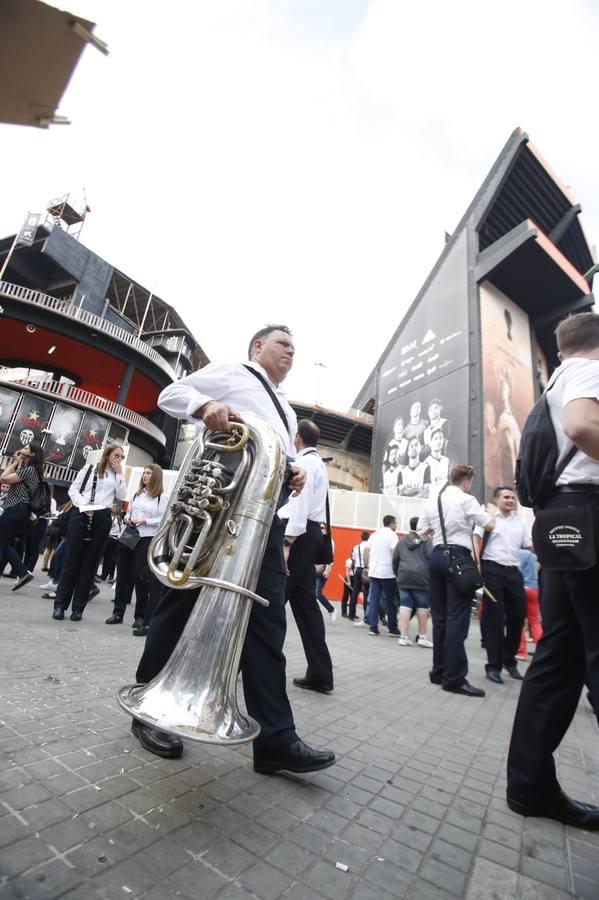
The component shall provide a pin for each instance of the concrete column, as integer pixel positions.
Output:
(125, 384)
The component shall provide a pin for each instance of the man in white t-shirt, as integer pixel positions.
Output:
(567, 655)
(378, 563)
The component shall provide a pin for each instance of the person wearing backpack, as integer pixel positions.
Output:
(23, 475)
(567, 655)
(144, 511)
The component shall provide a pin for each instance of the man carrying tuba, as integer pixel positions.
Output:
(211, 397)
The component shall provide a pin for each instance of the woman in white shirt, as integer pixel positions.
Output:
(451, 609)
(93, 492)
(145, 510)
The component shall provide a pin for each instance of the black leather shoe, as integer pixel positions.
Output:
(466, 689)
(434, 678)
(137, 623)
(23, 580)
(114, 619)
(513, 672)
(298, 757)
(58, 612)
(495, 677)
(562, 809)
(141, 631)
(75, 616)
(158, 742)
(313, 685)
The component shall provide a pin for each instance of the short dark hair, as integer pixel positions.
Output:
(414, 523)
(365, 535)
(308, 432)
(503, 487)
(264, 332)
(459, 474)
(388, 519)
(578, 332)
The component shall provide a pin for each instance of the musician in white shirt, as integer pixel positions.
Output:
(145, 510)
(93, 492)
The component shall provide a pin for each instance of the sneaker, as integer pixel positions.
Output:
(393, 634)
(423, 641)
(374, 632)
(333, 616)
(50, 586)
(404, 641)
(359, 623)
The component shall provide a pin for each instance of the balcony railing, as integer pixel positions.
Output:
(69, 310)
(86, 400)
(52, 472)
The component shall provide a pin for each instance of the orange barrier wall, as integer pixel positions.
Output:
(345, 539)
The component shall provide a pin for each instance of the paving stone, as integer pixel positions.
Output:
(388, 877)
(491, 882)
(444, 852)
(265, 881)
(330, 881)
(542, 871)
(529, 889)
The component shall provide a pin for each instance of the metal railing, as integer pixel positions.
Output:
(67, 308)
(86, 400)
(52, 472)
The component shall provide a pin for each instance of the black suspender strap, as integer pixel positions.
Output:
(446, 551)
(272, 395)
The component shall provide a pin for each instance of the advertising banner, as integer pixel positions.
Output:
(62, 434)
(420, 435)
(8, 404)
(30, 422)
(91, 437)
(508, 383)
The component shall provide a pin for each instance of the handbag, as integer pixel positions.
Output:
(565, 539)
(130, 537)
(462, 570)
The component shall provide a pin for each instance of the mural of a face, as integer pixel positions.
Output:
(437, 441)
(415, 410)
(86, 451)
(414, 448)
(26, 436)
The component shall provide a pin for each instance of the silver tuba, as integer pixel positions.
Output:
(212, 536)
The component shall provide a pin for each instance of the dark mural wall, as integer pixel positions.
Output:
(421, 425)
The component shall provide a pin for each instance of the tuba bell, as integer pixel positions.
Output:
(213, 535)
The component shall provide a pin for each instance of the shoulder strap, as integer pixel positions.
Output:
(573, 449)
(272, 394)
(441, 518)
(86, 478)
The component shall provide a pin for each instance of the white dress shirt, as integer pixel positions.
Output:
(381, 545)
(506, 539)
(461, 512)
(108, 488)
(575, 379)
(357, 555)
(116, 528)
(142, 506)
(310, 504)
(232, 384)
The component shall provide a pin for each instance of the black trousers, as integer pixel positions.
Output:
(502, 622)
(262, 658)
(566, 656)
(33, 538)
(301, 590)
(451, 620)
(133, 572)
(357, 586)
(110, 558)
(85, 549)
(13, 521)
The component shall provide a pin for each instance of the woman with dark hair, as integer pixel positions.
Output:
(23, 475)
(145, 510)
(92, 493)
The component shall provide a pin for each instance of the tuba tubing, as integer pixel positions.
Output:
(195, 694)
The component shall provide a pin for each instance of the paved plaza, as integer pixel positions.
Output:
(413, 808)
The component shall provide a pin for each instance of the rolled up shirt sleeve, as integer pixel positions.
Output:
(183, 398)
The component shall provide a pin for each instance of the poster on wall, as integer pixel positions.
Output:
(91, 437)
(420, 435)
(508, 383)
(30, 422)
(433, 341)
(8, 404)
(62, 433)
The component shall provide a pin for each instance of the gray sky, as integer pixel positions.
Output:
(299, 161)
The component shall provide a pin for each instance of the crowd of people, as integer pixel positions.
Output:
(431, 574)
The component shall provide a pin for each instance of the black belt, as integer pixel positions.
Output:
(501, 565)
(577, 489)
